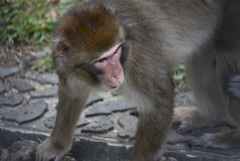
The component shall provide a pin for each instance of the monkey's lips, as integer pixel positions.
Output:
(109, 86)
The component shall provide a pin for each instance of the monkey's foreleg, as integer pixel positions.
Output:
(206, 85)
(153, 126)
(71, 103)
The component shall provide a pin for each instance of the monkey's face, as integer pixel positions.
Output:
(88, 46)
(111, 71)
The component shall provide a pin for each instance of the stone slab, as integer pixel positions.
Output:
(24, 113)
(101, 124)
(93, 98)
(8, 71)
(109, 106)
(49, 92)
(47, 78)
(21, 85)
(22, 151)
(2, 87)
(128, 124)
(11, 100)
(50, 121)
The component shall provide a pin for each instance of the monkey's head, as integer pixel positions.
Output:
(88, 44)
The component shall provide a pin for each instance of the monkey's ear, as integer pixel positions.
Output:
(63, 46)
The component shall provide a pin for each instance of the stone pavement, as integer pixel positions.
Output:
(105, 130)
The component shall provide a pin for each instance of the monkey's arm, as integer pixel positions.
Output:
(71, 103)
(155, 115)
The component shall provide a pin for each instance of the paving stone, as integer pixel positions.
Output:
(89, 150)
(183, 156)
(128, 124)
(49, 92)
(82, 122)
(11, 100)
(185, 99)
(233, 152)
(109, 106)
(24, 113)
(31, 75)
(3, 154)
(47, 78)
(175, 138)
(21, 85)
(50, 121)
(22, 151)
(93, 98)
(8, 71)
(101, 124)
(171, 159)
(201, 131)
(2, 88)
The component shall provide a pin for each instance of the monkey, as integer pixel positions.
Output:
(213, 76)
(131, 46)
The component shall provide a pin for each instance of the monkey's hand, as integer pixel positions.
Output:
(189, 118)
(233, 88)
(47, 151)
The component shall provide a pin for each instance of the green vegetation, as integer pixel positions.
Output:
(30, 22)
(26, 22)
(179, 76)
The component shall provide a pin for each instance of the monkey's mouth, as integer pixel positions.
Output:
(108, 86)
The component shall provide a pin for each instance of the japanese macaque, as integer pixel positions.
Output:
(127, 45)
(213, 75)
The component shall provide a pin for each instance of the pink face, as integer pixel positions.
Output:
(109, 63)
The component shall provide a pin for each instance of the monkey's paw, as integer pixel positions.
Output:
(47, 151)
(189, 118)
(221, 140)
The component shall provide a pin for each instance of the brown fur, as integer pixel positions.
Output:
(155, 35)
(209, 72)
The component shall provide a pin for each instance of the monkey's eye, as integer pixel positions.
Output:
(102, 60)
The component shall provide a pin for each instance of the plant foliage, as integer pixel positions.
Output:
(27, 22)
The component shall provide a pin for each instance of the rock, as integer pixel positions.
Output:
(22, 151)
(82, 122)
(106, 108)
(2, 88)
(8, 71)
(49, 92)
(11, 100)
(21, 85)
(101, 124)
(47, 78)
(128, 124)
(50, 121)
(175, 138)
(24, 113)
(3, 154)
(93, 98)
(171, 159)
(31, 75)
